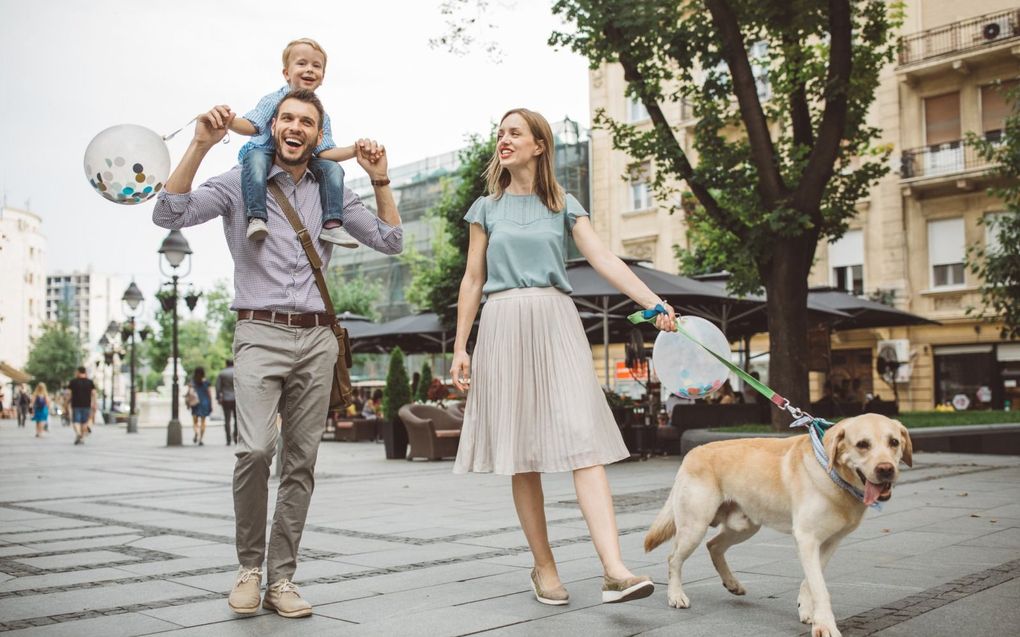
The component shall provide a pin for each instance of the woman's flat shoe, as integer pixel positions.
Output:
(615, 591)
(554, 597)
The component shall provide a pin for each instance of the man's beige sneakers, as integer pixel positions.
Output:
(283, 597)
(245, 596)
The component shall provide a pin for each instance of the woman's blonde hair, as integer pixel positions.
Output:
(547, 188)
(310, 42)
(40, 390)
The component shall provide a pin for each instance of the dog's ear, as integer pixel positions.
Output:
(908, 447)
(832, 441)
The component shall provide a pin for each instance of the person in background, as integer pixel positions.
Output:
(40, 408)
(83, 404)
(22, 404)
(225, 397)
(202, 407)
(373, 406)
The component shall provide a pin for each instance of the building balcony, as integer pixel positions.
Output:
(989, 37)
(953, 165)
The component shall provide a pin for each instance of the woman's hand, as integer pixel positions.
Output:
(460, 372)
(666, 322)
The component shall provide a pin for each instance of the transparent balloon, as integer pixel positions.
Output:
(683, 366)
(127, 164)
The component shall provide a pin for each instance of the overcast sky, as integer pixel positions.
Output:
(71, 69)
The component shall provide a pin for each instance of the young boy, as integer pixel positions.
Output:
(304, 65)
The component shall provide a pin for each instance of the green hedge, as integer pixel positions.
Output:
(917, 420)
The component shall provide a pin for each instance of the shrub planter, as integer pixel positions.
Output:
(394, 437)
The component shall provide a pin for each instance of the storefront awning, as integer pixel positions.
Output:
(13, 373)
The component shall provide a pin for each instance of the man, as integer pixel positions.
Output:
(22, 403)
(225, 397)
(83, 404)
(284, 350)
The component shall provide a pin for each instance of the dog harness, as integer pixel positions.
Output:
(816, 426)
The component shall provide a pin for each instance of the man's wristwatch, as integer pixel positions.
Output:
(385, 181)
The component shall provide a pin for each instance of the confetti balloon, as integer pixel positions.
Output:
(683, 366)
(127, 164)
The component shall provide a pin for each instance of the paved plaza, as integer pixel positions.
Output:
(124, 536)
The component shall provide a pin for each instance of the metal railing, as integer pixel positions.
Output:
(937, 160)
(987, 30)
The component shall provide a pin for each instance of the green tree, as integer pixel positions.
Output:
(435, 280)
(781, 91)
(398, 387)
(355, 295)
(423, 384)
(55, 355)
(217, 309)
(998, 265)
(159, 345)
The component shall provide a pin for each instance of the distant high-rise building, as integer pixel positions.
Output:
(22, 283)
(88, 299)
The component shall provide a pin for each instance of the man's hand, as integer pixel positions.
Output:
(212, 126)
(372, 157)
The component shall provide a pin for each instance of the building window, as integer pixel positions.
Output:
(946, 252)
(636, 111)
(942, 134)
(995, 109)
(758, 55)
(640, 196)
(846, 260)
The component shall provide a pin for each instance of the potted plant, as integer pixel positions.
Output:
(396, 395)
(424, 383)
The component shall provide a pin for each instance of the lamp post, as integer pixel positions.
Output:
(132, 299)
(104, 345)
(174, 250)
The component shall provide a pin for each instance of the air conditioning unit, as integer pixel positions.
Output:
(996, 29)
(893, 362)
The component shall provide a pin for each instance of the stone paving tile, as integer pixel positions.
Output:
(457, 561)
(266, 623)
(123, 625)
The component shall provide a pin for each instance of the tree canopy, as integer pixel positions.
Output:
(55, 355)
(782, 152)
(998, 264)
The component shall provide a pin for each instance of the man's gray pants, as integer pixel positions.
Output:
(291, 370)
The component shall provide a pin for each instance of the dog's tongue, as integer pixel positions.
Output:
(871, 492)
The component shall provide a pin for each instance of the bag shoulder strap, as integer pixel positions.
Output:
(306, 242)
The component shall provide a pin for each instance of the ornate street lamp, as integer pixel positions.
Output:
(132, 299)
(110, 356)
(104, 346)
(174, 250)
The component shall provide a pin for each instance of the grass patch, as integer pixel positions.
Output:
(916, 420)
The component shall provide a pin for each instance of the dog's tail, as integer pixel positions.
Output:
(664, 526)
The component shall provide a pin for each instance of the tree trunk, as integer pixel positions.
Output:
(786, 285)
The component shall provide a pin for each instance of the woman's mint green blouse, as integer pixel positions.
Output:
(526, 241)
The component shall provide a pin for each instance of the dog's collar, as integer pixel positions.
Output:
(816, 429)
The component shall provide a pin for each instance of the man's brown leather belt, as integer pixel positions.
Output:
(308, 319)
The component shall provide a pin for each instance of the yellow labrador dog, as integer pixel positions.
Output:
(740, 485)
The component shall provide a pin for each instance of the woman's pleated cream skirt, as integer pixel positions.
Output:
(534, 403)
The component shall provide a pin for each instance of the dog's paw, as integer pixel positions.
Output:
(678, 599)
(735, 587)
(805, 617)
(825, 629)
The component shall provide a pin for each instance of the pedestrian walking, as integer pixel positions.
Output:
(83, 404)
(200, 403)
(22, 404)
(285, 350)
(40, 408)
(535, 404)
(225, 397)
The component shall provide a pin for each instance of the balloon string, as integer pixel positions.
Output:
(166, 138)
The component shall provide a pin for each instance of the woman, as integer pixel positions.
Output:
(532, 353)
(40, 408)
(203, 407)
(373, 406)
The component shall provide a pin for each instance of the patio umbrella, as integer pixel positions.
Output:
(421, 333)
(356, 324)
(862, 313)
